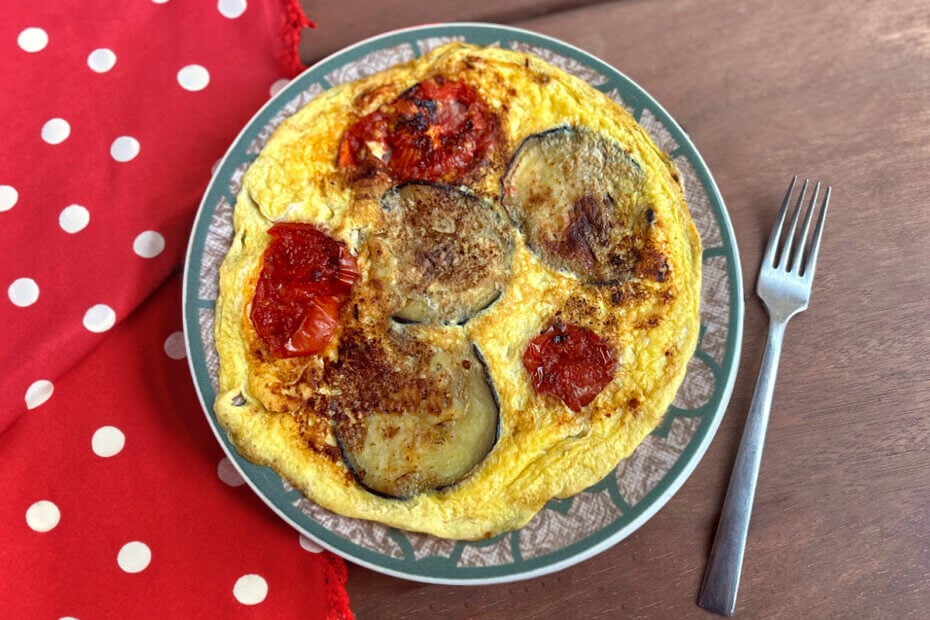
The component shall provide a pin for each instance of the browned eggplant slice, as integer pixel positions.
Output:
(579, 199)
(447, 252)
(423, 418)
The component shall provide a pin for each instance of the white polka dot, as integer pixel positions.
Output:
(8, 197)
(159, 1)
(174, 346)
(74, 218)
(39, 392)
(23, 292)
(101, 60)
(124, 148)
(148, 244)
(43, 516)
(134, 557)
(228, 473)
(32, 40)
(193, 77)
(277, 86)
(309, 545)
(250, 589)
(231, 8)
(99, 318)
(108, 441)
(56, 131)
(67, 618)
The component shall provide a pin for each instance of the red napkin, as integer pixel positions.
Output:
(116, 498)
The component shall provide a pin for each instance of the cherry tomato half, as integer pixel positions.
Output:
(306, 276)
(570, 362)
(435, 131)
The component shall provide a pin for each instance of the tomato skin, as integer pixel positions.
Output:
(306, 276)
(435, 131)
(317, 328)
(569, 362)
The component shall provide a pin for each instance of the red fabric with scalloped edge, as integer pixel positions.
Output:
(117, 501)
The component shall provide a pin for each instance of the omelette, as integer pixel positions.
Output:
(457, 289)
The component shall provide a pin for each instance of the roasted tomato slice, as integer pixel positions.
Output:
(306, 276)
(435, 131)
(570, 362)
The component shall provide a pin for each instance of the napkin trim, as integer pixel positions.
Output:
(337, 598)
(295, 20)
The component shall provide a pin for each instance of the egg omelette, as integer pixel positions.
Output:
(457, 289)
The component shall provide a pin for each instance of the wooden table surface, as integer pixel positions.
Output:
(838, 90)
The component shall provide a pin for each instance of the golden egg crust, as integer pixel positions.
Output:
(278, 412)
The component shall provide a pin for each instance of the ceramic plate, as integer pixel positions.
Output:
(566, 531)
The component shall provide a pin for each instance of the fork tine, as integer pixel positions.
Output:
(789, 235)
(769, 256)
(795, 264)
(811, 266)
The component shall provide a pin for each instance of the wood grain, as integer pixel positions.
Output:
(839, 91)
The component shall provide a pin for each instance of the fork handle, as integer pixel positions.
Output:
(721, 579)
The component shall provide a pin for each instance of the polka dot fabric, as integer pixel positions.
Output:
(114, 114)
(117, 499)
(119, 503)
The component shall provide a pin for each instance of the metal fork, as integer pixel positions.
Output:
(784, 285)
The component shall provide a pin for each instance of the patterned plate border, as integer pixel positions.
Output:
(566, 531)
